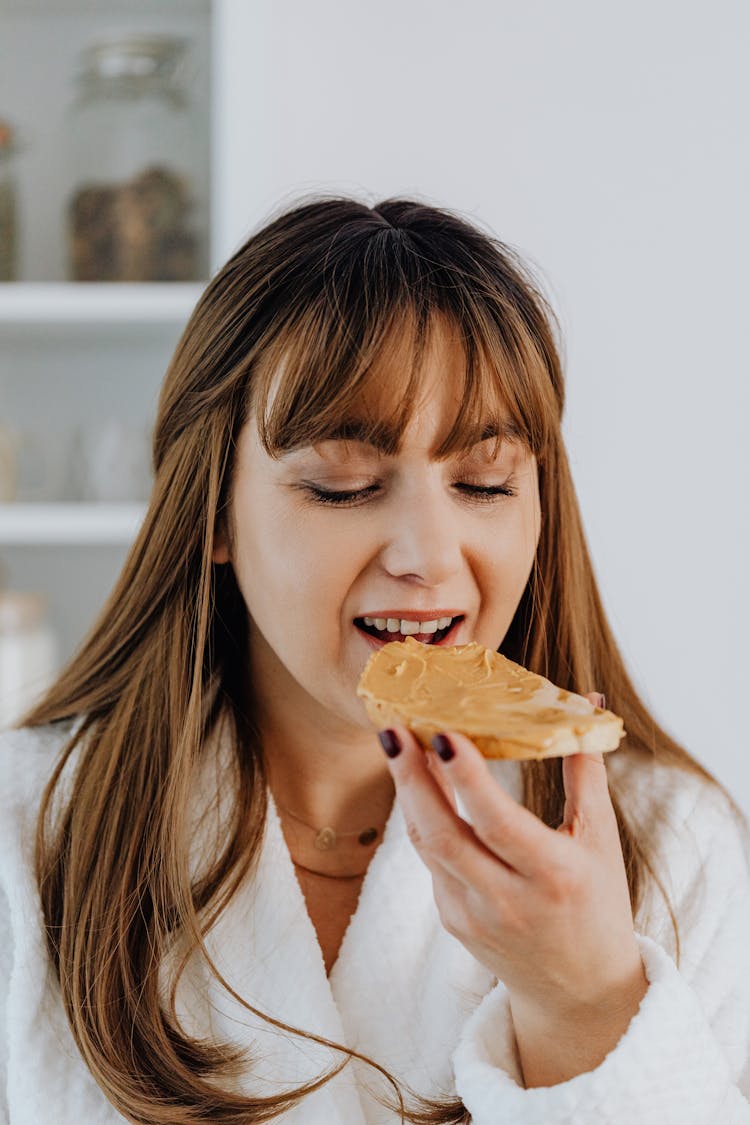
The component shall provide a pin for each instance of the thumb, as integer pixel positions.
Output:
(588, 806)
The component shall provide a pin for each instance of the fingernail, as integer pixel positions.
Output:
(390, 743)
(602, 701)
(441, 745)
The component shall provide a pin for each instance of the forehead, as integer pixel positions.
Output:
(386, 439)
(434, 386)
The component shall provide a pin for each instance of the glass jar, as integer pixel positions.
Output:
(10, 448)
(132, 214)
(28, 653)
(8, 206)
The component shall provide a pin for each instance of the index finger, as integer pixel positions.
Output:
(508, 829)
(438, 832)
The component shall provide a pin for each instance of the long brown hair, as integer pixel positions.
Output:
(326, 287)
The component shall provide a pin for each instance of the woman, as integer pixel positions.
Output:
(225, 903)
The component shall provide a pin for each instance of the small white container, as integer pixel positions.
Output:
(28, 653)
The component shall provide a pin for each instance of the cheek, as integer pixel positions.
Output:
(265, 553)
(508, 553)
(507, 572)
(530, 533)
(528, 530)
(287, 561)
(514, 541)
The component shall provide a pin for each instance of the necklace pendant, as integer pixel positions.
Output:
(325, 840)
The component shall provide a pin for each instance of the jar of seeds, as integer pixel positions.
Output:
(132, 214)
(8, 205)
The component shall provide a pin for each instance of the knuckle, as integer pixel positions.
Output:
(453, 919)
(520, 923)
(446, 921)
(443, 843)
(563, 884)
(493, 833)
(414, 834)
(407, 770)
(440, 842)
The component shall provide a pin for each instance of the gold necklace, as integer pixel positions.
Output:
(327, 838)
(327, 874)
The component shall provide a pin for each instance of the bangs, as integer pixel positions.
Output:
(349, 364)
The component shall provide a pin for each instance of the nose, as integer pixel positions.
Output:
(423, 538)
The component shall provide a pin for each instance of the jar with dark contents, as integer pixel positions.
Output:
(8, 205)
(132, 214)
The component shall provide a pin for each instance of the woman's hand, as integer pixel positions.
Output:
(547, 912)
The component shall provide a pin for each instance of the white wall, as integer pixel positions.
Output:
(609, 144)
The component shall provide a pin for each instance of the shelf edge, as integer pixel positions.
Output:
(69, 524)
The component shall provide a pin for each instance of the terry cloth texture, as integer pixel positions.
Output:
(403, 991)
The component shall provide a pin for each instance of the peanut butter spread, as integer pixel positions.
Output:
(508, 711)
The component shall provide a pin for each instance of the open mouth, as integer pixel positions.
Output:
(385, 636)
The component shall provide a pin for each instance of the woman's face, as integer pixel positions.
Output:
(414, 543)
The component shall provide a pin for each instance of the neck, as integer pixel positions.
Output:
(327, 769)
(320, 793)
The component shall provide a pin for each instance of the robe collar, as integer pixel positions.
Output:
(265, 945)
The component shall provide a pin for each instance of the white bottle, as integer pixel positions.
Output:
(28, 653)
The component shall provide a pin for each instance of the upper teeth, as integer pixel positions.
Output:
(406, 626)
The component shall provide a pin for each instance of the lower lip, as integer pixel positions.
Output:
(448, 639)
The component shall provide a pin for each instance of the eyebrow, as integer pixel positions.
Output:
(385, 438)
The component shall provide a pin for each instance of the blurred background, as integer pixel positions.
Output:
(142, 140)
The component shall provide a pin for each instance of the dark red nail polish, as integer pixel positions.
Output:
(390, 743)
(443, 748)
(602, 701)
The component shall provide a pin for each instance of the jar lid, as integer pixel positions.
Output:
(135, 57)
(20, 611)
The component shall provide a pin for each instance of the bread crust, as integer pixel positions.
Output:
(506, 710)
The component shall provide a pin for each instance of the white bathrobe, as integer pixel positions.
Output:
(403, 991)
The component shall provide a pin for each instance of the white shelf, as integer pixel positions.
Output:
(89, 302)
(24, 524)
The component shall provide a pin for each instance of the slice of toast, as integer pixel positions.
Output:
(507, 711)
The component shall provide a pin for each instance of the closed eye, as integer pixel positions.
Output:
(487, 490)
(355, 497)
